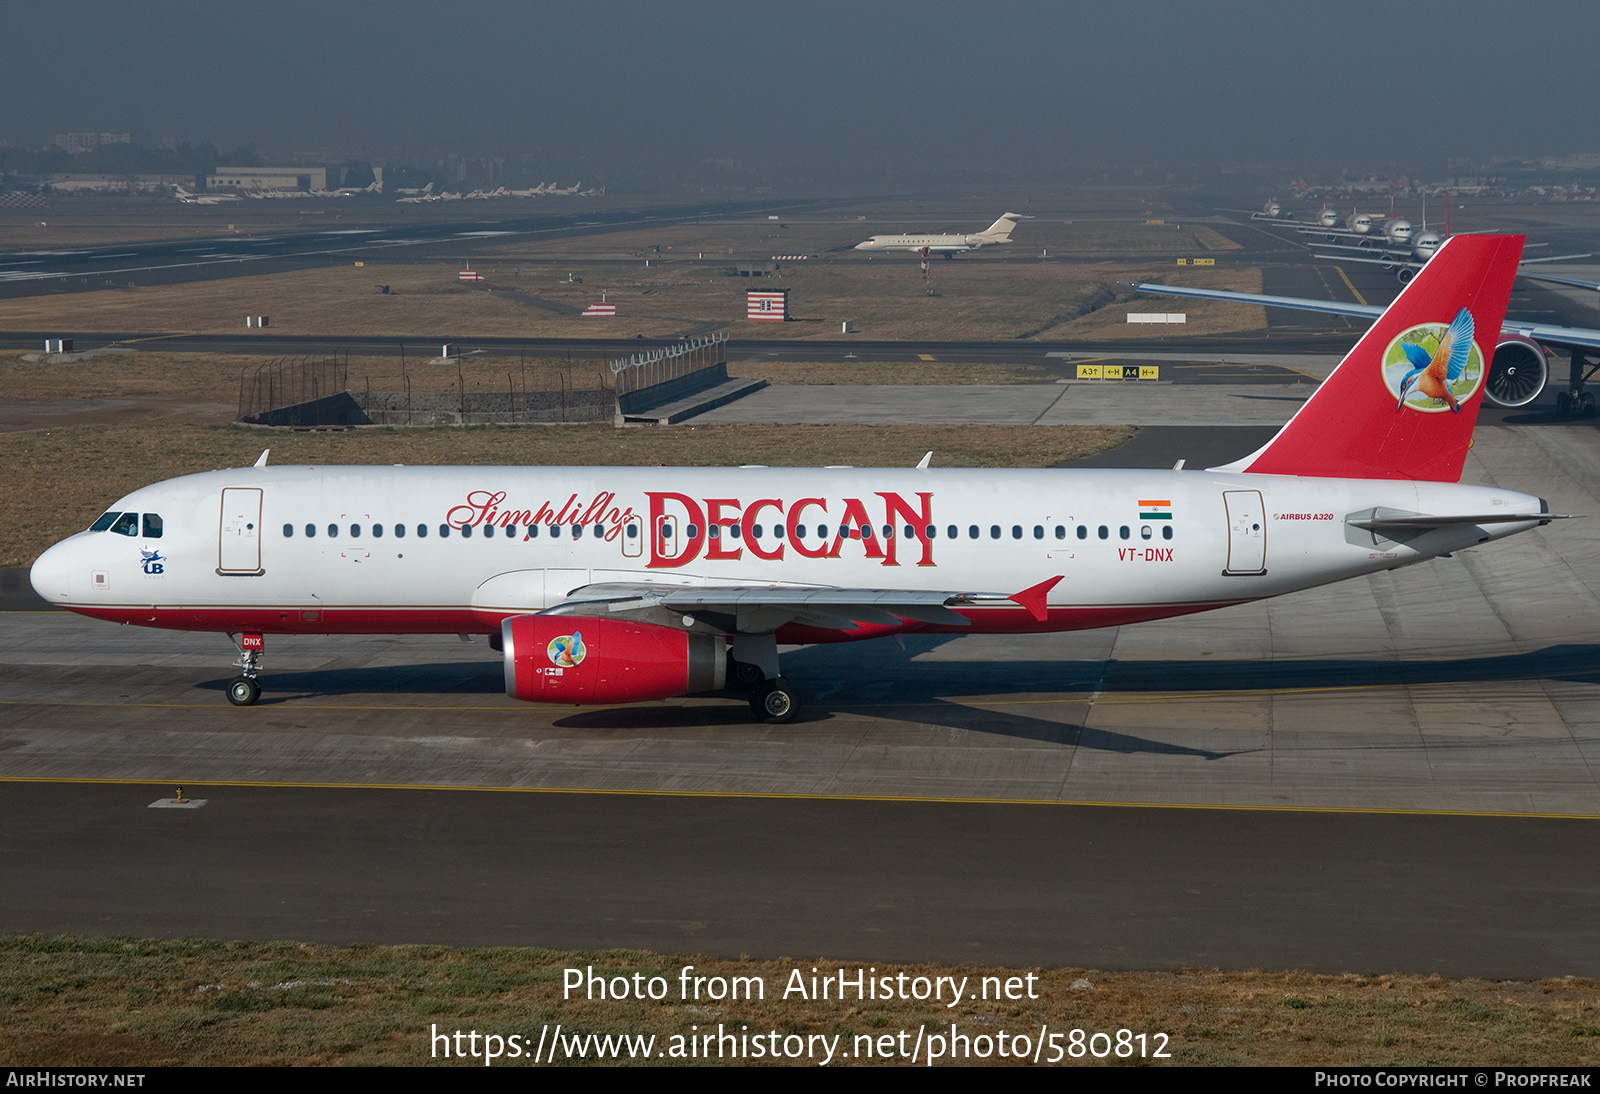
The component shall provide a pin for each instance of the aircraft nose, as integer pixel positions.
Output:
(50, 573)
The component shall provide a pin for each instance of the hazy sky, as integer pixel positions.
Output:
(811, 82)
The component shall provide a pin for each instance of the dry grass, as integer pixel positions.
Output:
(58, 480)
(986, 295)
(758, 239)
(121, 1003)
(884, 299)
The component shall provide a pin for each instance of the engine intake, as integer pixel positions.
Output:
(1517, 372)
(579, 659)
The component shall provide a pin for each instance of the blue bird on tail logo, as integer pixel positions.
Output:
(1433, 367)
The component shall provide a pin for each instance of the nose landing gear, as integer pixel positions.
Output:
(245, 689)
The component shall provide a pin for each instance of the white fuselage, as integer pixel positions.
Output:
(457, 549)
(935, 244)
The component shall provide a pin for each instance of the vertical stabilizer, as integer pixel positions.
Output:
(1000, 229)
(1402, 403)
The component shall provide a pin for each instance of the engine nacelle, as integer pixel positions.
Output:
(579, 659)
(1517, 373)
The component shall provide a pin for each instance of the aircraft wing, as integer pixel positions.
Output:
(1547, 333)
(1328, 307)
(1573, 281)
(1387, 259)
(760, 609)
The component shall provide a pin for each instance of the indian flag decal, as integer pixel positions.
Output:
(1155, 510)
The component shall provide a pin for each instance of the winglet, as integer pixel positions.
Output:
(1033, 598)
(261, 460)
(922, 464)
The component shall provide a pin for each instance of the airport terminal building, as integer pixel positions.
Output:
(268, 178)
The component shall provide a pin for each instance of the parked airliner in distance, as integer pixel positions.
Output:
(616, 585)
(947, 245)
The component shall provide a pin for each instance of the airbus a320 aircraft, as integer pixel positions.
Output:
(947, 245)
(615, 585)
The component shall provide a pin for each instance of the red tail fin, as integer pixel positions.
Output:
(1401, 405)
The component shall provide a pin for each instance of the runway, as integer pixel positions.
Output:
(1187, 792)
(393, 234)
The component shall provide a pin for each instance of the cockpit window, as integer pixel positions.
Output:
(104, 522)
(152, 526)
(126, 525)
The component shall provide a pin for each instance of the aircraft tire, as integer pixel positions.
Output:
(775, 702)
(243, 691)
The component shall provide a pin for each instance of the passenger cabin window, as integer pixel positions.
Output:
(311, 531)
(1083, 531)
(288, 531)
(377, 531)
(333, 531)
(422, 531)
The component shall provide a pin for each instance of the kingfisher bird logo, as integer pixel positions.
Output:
(152, 561)
(567, 651)
(1433, 367)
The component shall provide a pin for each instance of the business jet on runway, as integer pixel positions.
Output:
(947, 245)
(616, 585)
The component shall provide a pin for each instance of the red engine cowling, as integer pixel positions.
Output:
(578, 659)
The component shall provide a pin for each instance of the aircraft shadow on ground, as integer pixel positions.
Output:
(836, 679)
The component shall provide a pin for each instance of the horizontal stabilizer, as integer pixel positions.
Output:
(1373, 523)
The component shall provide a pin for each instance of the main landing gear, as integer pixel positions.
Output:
(245, 689)
(775, 702)
(1576, 401)
(772, 698)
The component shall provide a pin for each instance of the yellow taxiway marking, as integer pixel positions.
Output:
(925, 357)
(264, 784)
(1354, 291)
